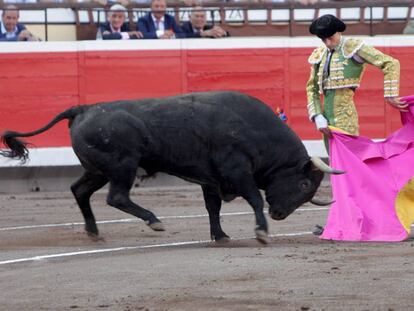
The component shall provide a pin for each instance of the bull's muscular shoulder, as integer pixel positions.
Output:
(351, 46)
(317, 54)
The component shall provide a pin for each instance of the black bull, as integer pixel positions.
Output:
(229, 143)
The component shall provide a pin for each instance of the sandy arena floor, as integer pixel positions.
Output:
(47, 262)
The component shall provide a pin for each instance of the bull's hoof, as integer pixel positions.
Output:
(157, 226)
(94, 236)
(222, 240)
(262, 237)
(91, 228)
(317, 230)
(92, 231)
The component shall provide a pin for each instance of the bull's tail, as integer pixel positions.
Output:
(18, 149)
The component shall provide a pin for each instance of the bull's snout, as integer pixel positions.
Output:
(276, 215)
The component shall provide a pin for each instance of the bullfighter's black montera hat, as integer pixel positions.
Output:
(326, 26)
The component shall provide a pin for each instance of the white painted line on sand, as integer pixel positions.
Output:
(128, 220)
(127, 248)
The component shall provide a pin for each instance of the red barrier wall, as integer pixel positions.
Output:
(34, 87)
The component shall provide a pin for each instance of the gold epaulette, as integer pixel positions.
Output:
(351, 46)
(317, 54)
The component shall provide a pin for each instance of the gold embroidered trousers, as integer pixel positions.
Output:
(339, 110)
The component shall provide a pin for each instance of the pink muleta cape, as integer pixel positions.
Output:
(374, 200)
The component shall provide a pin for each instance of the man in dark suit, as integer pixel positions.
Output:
(159, 25)
(197, 26)
(11, 29)
(116, 28)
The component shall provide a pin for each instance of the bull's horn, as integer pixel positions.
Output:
(321, 203)
(318, 163)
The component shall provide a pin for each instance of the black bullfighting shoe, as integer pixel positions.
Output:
(317, 230)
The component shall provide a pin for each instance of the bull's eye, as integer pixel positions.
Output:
(305, 185)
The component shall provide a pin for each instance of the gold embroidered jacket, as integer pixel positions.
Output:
(346, 69)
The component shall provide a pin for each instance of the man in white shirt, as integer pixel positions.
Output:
(159, 25)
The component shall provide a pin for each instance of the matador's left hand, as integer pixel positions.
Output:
(396, 103)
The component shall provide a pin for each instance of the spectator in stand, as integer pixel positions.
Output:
(116, 28)
(197, 26)
(159, 25)
(11, 29)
